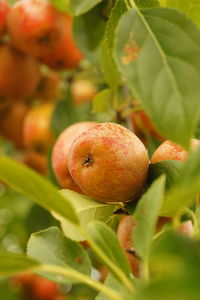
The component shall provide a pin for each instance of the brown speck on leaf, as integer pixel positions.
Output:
(131, 51)
(79, 260)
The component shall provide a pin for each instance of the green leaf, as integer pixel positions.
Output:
(186, 188)
(157, 50)
(113, 283)
(146, 216)
(87, 210)
(170, 168)
(190, 7)
(88, 33)
(35, 187)
(51, 247)
(80, 7)
(12, 263)
(109, 68)
(146, 3)
(107, 62)
(107, 241)
(61, 5)
(102, 101)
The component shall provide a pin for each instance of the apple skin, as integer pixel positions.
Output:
(4, 10)
(37, 132)
(34, 26)
(171, 151)
(11, 123)
(36, 161)
(186, 228)
(109, 163)
(82, 91)
(19, 73)
(124, 233)
(49, 87)
(61, 151)
(65, 55)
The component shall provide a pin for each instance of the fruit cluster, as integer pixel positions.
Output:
(35, 42)
(110, 163)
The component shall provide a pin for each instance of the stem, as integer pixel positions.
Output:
(145, 271)
(127, 4)
(132, 3)
(73, 274)
(115, 269)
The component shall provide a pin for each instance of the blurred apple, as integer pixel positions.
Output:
(37, 131)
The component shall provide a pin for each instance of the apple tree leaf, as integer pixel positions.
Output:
(13, 263)
(157, 50)
(51, 247)
(35, 187)
(186, 188)
(80, 7)
(107, 241)
(87, 210)
(146, 216)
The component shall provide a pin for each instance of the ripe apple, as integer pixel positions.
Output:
(109, 163)
(172, 151)
(49, 86)
(44, 289)
(124, 233)
(82, 91)
(11, 123)
(19, 73)
(61, 151)
(65, 55)
(36, 161)
(37, 132)
(34, 26)
(4, 10)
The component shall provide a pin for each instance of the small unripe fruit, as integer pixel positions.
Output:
(65, 55)
(124, 233)
(109, 163)
(11, 123)
(37, 127)
(186, 228)
(19, 73)
(61, 151)
(4, 10)
(34, 26)
(171, 151)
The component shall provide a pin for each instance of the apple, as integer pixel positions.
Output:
(36, 161)
(172, 151)
(61, 151)
(49, 87)
(34, 26)
(4, 10)
(109, 163)
(65, 55)
(11, 123)
(82, 91)
(124, 233)
(37, 131)
(19, 73)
